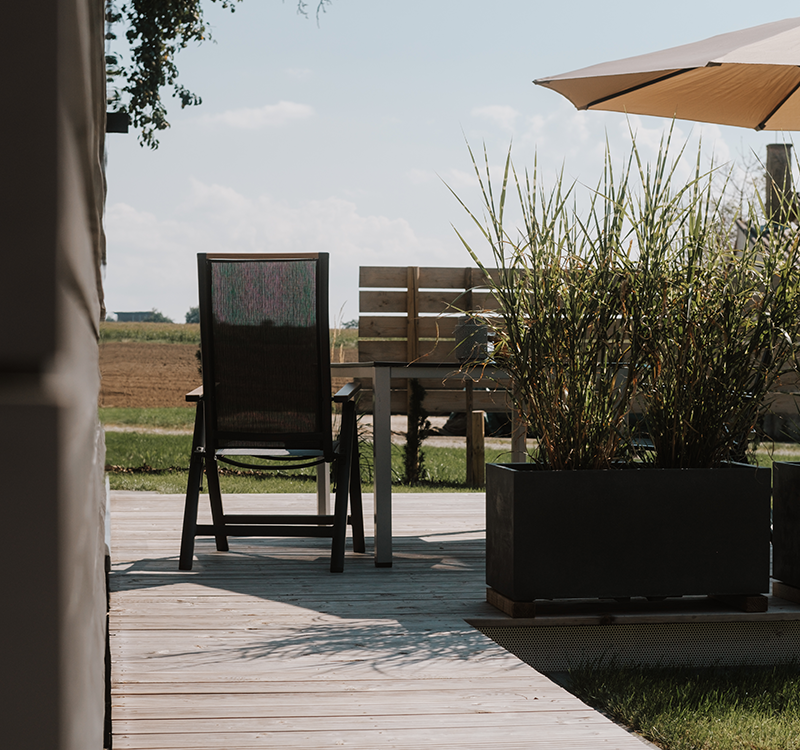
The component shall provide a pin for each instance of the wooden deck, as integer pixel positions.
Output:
(262, 647)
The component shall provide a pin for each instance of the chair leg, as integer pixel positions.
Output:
(323, 490)
(344, 468)
(340, 515)
(215, 498)
(190, 511)
(356, 508)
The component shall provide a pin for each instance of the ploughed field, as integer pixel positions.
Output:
(147, 375)
(157, 374)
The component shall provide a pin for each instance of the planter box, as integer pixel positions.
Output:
(627, 532)
(786, 523)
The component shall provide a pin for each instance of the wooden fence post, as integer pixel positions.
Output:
(780, 193)
(476, 455)
(470, 431)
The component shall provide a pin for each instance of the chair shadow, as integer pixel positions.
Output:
(378, 617)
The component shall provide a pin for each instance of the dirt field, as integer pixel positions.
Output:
(152, 375)
(147, 375)
(156, 375)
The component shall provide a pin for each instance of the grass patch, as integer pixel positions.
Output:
(172, 418)
(167, 333)
(174, 483)
(445, 469)
(189, 333)
(343, 339)
(768, 453)
(690, 709)
(159, 463)
(137, 451)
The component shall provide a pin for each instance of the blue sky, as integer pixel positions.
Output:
(340, 136)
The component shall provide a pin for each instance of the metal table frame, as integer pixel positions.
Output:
(381, 375)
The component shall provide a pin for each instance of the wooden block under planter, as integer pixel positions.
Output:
(509, 607)
(785, 591)
(743, 602)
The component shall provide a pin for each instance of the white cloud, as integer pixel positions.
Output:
(421, 176)
(301, 74)
(502, 116)
(152, 259)
(270, 115)
(460, 179)
(576, 141)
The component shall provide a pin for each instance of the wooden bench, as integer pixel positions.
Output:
(411, 314)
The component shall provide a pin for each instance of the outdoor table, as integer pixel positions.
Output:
(381, 375)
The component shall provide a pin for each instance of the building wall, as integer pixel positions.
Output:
(133, 317)
(51, 455)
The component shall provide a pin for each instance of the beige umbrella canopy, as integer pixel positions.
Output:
(749, 78)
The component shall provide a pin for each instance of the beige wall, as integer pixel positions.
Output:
(51, 485)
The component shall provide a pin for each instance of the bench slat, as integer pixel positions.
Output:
(430, 277)
(441, 402)
(395, 351)
(394, 327)
(431, 301)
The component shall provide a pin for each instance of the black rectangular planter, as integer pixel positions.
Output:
(786, 522)
(627, 532)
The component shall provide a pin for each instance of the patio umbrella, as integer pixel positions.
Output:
(749, 78)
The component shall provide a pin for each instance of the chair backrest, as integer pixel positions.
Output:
(266, 352)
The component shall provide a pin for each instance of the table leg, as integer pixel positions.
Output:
(382, 446)
(323, 490)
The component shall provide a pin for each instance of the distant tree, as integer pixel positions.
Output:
(350, 323)
(156, 316)
(193, 316)
(155, 30)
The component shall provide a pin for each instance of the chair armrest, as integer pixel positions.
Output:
(346, 392)
(195, 395)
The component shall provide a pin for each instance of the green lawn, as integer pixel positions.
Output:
(182, 333)
(709, 709)
(176, 418)
(769, 452)
(143, 460)
(168, 333)
(158, 463)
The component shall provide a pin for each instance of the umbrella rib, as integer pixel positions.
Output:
(783, 101)
(639, 86)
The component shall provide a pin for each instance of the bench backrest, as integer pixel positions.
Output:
(410, 314)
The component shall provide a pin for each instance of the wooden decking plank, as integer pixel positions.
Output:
(263, 647)
(364, 720)
(334, 702)
(588, 739)
(303, 668)
(226, 685)
(145, 667)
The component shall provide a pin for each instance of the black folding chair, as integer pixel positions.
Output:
(266, 396)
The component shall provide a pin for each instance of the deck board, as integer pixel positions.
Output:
(262, 647)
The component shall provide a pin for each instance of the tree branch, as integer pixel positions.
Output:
(156, 30)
